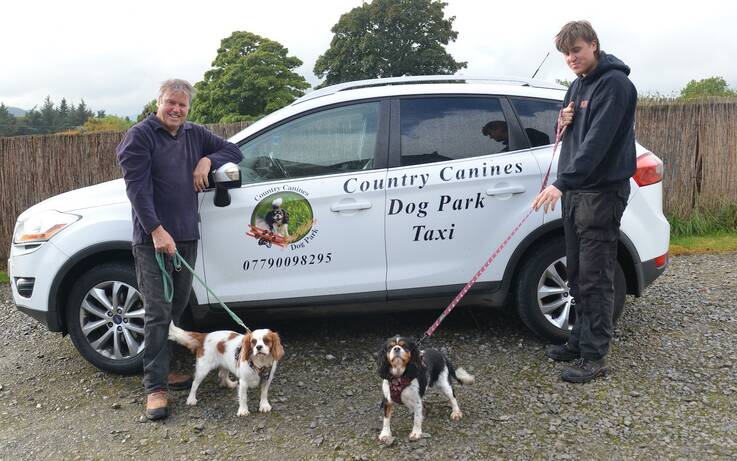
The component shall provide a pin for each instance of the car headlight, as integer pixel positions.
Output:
(42, 226)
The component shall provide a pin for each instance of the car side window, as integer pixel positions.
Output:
(449, 128)
(336, 140)
(538, 119)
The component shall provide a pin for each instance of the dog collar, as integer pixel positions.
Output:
(396, 386)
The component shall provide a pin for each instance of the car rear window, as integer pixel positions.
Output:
(538, 117)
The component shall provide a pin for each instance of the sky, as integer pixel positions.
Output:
(114, 55)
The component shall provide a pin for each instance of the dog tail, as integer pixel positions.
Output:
(192, 341)
(463, 376)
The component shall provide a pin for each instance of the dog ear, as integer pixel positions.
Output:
(277, 351)
(415, 360)
(286, 216)
(246, 349)
(383, 363)
(269, 218)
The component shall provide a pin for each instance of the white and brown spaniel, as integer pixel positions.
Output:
(252, 358)
(407, 372)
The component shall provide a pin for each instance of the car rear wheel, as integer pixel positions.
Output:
(104, 317)
(544, 302)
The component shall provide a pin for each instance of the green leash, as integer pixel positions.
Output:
(178, 261)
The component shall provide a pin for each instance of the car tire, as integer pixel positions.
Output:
(104, 316)
(539, 288)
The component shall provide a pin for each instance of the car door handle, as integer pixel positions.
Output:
(338, 207)
(505, 190)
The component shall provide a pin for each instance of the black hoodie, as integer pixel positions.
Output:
(598, 148)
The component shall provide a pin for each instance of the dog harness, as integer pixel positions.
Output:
(396, 386)
(263, 372)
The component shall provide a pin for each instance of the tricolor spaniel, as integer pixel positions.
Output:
(278, 219)
(252, 358)
(406, 372)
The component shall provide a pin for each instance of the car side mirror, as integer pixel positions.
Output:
(226, 177)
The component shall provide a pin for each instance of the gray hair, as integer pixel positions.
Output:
(176, 85)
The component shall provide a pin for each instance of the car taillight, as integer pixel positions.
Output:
(661, 260)
(649, 169)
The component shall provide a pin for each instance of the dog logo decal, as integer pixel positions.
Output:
(281, 219)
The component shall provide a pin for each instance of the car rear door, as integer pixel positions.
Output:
(461, 178)
(296, 229)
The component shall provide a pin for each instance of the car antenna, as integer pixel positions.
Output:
(541, 64)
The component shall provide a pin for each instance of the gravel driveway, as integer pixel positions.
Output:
(672, 393)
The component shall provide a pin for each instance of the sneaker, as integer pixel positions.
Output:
(157, 405)
(561, 353)
(584, 371)
(177, 382)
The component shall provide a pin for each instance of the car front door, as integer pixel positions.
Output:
(304, 223)
(462, 178)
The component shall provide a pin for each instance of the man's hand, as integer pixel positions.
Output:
(547, 199)
(200, 174)
(565, 117)
(163, 243)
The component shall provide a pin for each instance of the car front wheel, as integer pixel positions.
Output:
(104, 317)
(544, 301)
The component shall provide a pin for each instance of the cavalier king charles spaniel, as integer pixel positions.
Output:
(252, 358)
(407, 372)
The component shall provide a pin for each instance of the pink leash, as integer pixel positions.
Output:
(558, 136)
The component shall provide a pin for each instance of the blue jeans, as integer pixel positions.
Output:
(159, 313)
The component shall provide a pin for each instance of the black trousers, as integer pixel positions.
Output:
(159, 313)
(591, 222)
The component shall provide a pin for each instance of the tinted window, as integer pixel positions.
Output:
(332, 141)
(538, 119)
(438, 129)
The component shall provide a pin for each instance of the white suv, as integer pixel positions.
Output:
(357, 196)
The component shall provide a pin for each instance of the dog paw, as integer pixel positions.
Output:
(229, 384)
(386, 437)
(191, 401)
(243, 412)
(415, 435)
(265, 407)
(456, 415)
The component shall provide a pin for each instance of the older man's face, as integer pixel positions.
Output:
(172, 110)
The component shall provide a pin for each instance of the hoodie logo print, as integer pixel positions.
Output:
(584, 104)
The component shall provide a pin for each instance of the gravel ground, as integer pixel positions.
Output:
(671, 394)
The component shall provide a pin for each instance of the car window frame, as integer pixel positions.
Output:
(381, 150)
(517, 138)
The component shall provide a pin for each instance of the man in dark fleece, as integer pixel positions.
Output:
(165, 162)
(596, 163)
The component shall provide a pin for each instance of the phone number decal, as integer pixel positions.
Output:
(286, 261)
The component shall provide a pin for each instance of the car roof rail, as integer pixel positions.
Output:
(332, 89)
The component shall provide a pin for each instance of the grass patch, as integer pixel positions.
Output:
(717, 242)
(705, 222)
(4, 277)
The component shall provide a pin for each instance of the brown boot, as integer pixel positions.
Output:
(157, 405)
(177, 382)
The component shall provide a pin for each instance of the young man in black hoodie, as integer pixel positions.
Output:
(596, 163)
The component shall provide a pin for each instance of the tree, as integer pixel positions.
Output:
(48, 115)
(251, 76)
(80, 114)
(7, 121)
(147, 109)
(105, 123)
(62, 116)
(707, 87)
(389, 38)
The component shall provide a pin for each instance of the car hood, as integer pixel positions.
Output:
(107, 193)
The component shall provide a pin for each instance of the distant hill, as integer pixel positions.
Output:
(18, 112)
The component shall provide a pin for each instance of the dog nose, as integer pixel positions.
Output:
(396, 349)
(259, 347)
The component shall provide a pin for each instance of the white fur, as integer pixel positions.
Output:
(227, 362)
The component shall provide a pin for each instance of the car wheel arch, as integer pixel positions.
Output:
(626, 256)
